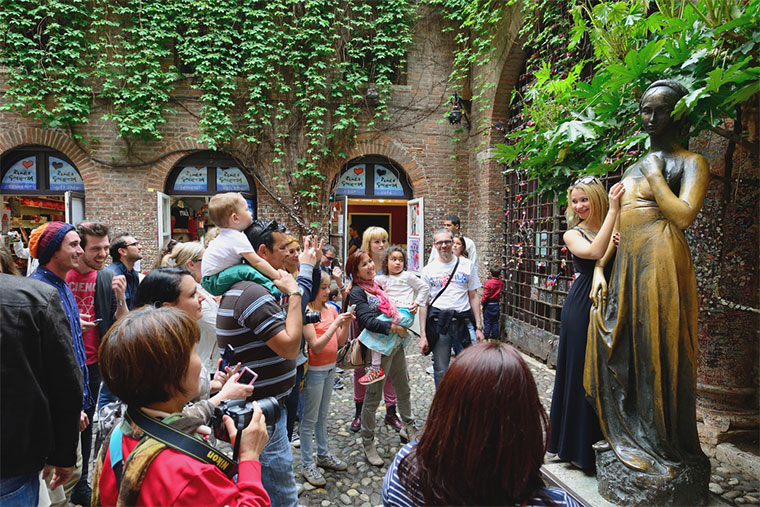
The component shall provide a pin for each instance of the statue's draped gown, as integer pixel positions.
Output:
(640, 370)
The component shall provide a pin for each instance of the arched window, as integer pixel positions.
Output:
(373, 177)
(193, 181)
(38, 170)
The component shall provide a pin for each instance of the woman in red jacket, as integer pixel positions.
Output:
(148, 360)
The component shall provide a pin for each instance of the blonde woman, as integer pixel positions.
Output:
(574, 424)
(375, 241)
(189, 256)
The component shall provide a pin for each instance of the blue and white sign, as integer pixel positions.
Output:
(353, 181)
(21, 176)
(387, 183)
(63, 176)
(194, 179)
(231, 179)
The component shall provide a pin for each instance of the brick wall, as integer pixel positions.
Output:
(121, 176)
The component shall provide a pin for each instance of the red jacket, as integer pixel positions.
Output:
(174, 478)
(492, 290)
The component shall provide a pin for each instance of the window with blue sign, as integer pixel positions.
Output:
(373, 178)
(37, 170)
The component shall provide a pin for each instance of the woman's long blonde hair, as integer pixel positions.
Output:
(182, 253)
(597, 197)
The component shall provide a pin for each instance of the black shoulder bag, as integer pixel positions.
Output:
(431, 322)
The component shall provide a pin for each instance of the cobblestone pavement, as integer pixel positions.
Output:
(361, 484)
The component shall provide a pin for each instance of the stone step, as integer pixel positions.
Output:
(744, 457)
(583, 487)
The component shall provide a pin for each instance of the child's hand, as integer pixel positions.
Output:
(345, 317)
(413, 308)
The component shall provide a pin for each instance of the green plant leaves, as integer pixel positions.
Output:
(591, 127)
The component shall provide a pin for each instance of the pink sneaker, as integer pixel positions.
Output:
(374, 374)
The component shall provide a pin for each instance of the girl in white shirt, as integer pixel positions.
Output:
(403, 289)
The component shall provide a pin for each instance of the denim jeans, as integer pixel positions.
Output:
(491, 320)
(442, 351)
(106, 396)
(86, 435)
(317, 392)
(20, 490)
(277, 465)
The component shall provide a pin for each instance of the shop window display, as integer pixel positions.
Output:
(33, 183)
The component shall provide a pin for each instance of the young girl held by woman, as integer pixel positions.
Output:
(323, 339)
(404, 290)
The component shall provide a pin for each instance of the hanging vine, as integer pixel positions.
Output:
(291, 79)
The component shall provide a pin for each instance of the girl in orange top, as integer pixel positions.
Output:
(323, 339)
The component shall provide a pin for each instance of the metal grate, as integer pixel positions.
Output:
(537, 267)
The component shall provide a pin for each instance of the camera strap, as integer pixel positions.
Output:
(181, 441)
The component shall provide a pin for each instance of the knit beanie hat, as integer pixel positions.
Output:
(46, 239)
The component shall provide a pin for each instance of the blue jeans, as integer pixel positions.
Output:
(277, 465)
(20, 490)
(106, 396)
(442, 351)
(491, 320)
(317, 392)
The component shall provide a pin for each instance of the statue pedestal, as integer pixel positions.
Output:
(622, 486)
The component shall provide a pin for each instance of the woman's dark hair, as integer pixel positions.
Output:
(160, 285)
(387, 256)
(145, 355)
(352, 264)
(485, 436)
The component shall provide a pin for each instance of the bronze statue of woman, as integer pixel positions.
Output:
(641, 357)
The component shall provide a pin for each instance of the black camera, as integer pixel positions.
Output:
(311, 317)
(241, 412)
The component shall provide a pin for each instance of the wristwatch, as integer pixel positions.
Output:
(480, 328)
(294, 293)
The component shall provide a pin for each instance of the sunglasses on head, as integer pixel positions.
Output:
(585, 180)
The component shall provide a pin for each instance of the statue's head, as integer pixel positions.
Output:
(656, 107)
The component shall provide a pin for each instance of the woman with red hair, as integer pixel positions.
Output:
(484, 440)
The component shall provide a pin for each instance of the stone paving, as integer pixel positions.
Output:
(361, 484)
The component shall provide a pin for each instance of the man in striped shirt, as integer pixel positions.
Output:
(266, 334)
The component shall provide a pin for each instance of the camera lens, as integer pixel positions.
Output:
(312, 317)
(270, 407)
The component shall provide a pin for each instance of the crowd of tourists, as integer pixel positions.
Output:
(203, 371)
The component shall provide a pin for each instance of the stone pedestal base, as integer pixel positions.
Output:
(623, 486)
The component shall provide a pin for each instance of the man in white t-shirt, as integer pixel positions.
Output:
(455, 309)
(452, 223)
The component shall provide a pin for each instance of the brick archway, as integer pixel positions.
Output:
(11, 139)
(387, 147)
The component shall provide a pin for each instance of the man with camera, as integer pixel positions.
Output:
(265, 334)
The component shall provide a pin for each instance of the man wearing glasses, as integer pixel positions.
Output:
(452, 223)
(455, 308)
(326, 263)
(125, 252)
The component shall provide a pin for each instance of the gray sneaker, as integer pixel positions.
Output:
(312, 474)
(332, 462)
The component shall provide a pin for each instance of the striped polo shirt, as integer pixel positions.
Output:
(248, 317)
